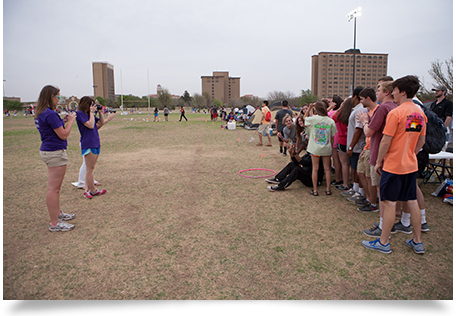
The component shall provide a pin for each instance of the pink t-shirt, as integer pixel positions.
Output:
(341, 131)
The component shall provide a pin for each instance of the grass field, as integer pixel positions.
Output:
(179, 223)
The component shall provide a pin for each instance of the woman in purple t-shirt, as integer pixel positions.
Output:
(54, 136)
(88, 126)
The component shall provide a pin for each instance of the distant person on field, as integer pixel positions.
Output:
(54, 143)
(155, 114)
(166, 113)
(182, 111)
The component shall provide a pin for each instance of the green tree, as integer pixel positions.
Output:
(12, 105)
(307, 97)
(217, 103)
(100, 100)
(186, 98)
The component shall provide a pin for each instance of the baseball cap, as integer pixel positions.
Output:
(439, 88)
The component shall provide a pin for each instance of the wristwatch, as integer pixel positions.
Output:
(350, 148)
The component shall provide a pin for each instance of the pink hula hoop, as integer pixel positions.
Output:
(255, 177)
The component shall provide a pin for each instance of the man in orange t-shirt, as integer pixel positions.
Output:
(403, 136)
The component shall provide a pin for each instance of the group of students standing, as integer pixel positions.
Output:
(54, 132)
(378, 135)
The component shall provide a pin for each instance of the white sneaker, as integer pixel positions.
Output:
(60, 227)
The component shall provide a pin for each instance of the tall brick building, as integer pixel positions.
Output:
(103, 80)
(332, 72)
(221, 86)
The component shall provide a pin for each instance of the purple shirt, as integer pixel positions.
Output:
(377, 123)
(89, 137)
(46, 123)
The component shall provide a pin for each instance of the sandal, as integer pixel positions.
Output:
(314, 193)
(328, 192)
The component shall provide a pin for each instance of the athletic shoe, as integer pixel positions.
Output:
(348, 192)
(376, 231)
(272, 181)
(66, 217)
(341, 187)
(425, 227)
(419, 248)
(402, 229)
(361, 202)
(373, 232)
(354, 197)
(368, 208)
(98, 192)
(285, 154)
(87, 194)
(376, 245)
(60, 227)
(334, 182)
(274, 188)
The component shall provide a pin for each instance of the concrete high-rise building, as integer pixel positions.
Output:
(221, 86)
(103, 80)
(332, 73)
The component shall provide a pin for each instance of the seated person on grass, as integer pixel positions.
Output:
(299, 168)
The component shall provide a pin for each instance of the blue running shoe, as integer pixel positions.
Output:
(419, 248)
(376, 245)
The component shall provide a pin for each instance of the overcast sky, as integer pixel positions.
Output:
(268, 43)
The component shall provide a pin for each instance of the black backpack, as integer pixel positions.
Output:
(435, 132)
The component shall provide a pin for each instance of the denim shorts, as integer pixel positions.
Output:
(95, 151)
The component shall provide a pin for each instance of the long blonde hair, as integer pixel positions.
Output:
(45, 99)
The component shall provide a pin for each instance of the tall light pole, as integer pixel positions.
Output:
(148, 92)
(353, 15)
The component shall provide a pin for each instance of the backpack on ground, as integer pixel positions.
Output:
(268, 116)
(435, 133)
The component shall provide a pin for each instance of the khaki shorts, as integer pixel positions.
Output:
(54, 158)
(375, 178)
(363, 163)
(263, 128)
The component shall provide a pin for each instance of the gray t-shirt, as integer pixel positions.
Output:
(352, 125)
(291, 135)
